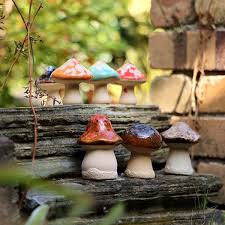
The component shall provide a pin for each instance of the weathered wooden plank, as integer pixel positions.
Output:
(59, 127)
(206, 217)
(164, 192)
(65, 166)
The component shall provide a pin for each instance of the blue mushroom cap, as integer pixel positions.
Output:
(48, 71)
(100, 70)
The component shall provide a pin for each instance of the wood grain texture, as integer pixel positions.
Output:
(164, 192)
(59, 127)
(206, 217)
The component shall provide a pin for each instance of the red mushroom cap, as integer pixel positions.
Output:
(129, 72)
(71, 70)
(99, 131)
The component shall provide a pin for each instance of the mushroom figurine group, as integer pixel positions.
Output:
(50, 87)
(100, 139)
(72, 73)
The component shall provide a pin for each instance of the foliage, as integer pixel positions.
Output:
(38, 216)
(114, 31)
(80, 201)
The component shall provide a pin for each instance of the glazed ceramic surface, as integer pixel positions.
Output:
(129, 72)
(100, 71)
(99, 131)
(142, 135)
(71, 70)
(180, 133)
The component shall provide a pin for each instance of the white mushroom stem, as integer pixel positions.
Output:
(179, 162)
(52, 89)
(127, 95)
(101, 95)
(53, 98)
(99, 162)
(140, 165)
(72, 94)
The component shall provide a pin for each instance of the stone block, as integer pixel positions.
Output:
(170, 13)
(171, 93)
(178, 50)
(212, 131)
(211, 94)
(217, 169)
(210, 12)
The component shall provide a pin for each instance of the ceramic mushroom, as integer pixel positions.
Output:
(141, 140)
(99, 140)
(71, 73)
(50, 87)
(130, 76)
(180, 137)
(103, 74)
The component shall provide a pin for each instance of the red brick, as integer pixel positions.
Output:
(210, 12)
(211, 94)
(178, 50)
(212, 131)
(171, 93)
(217, 169)
(170, 13)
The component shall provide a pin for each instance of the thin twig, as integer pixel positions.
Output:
(36, 13)
(13, 63)
(30, 71)
(21, 15)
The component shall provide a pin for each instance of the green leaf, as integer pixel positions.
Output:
(38, 216)
(113, 216)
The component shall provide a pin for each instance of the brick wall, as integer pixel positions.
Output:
(193, 39)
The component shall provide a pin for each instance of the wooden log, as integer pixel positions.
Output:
(65, 166)
(9, 212)
(59, 127)
(164, 192)
(206, 217)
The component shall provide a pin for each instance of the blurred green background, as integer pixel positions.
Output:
(90, 30)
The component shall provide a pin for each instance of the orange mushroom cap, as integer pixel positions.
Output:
(99, 131)
(71, 70)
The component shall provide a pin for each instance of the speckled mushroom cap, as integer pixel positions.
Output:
(180, 132)
(101, 71)
(99, 131)
(71, 70)
(142, 135)
(130, 73)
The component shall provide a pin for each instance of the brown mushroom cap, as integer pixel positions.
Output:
(142, 135)
(180, 132)
(99, 131)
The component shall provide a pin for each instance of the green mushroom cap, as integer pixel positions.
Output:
(100, 71)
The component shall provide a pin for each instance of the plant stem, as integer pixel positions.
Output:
(30, 71)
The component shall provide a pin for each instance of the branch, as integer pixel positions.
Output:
(21, 15)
